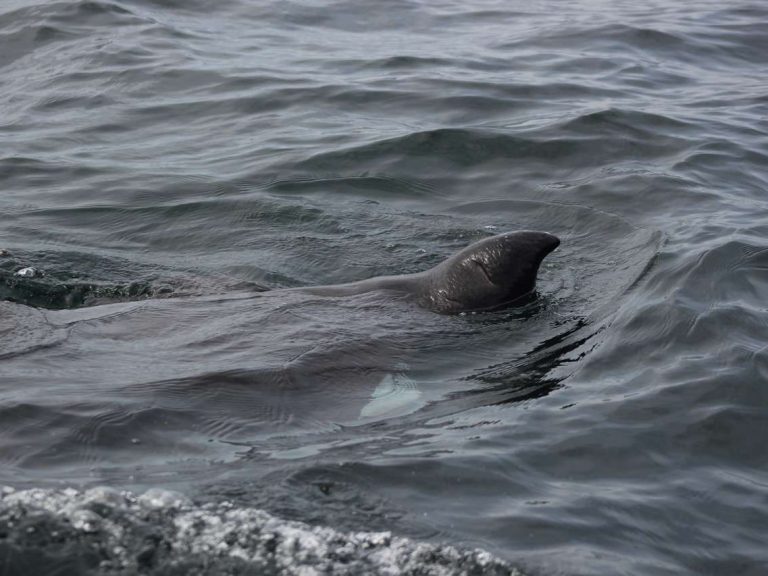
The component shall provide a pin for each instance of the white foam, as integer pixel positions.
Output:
(28, 272)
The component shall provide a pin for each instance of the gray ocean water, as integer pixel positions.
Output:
(166, 165)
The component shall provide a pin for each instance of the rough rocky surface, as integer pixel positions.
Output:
(104, 531)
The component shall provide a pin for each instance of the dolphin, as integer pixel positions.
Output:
(492, 273)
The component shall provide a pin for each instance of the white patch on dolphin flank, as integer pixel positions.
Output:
(395, 395)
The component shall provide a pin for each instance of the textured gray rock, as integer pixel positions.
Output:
(103, 531)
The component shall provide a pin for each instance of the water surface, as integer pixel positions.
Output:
(167, 167)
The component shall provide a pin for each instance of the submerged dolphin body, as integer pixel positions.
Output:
(489, 274)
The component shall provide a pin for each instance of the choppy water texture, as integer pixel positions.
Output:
(166, 167)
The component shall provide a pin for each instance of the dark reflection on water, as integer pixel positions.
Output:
(165, 163)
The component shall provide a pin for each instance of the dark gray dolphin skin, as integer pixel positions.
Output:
(489, 274)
